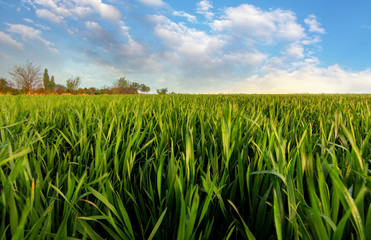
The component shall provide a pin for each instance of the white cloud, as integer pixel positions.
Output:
(256, 25)
(189, 17)
(24, 3)
(46, 14)
(203, 7)
(25, 31)
(295, 50)
(309, 41)
(250, 61)
(41, 26)
(153, 3)
(106, 11)
(77, 9)
(29, 33)
(184, 40)
(307, 79)
(314, 25)
(133, 49)
(9, 41)
(93, 26)
(28, 20)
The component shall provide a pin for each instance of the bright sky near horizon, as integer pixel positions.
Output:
(194, 46)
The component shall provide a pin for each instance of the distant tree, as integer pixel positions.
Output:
(72, 84)
(92, 90)
(144, 88)
(60, 89)
(27, 77)
(162, 91)
(135, 85)
(121, 83)
(130, 90)
(46, 80)
(106, 90)
(39, 91)
(52, 84)
(5, 86)
(123, 86)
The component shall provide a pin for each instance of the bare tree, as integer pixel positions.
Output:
(27, 77)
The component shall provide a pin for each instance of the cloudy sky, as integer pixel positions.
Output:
(194, 46)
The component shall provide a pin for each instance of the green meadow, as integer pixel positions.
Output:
(185, 167)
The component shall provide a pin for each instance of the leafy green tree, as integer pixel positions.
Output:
(46, 80)
(123, 86)
(135, 85)
(144, 88)
(73, 84)
(121, 83)
(27, 77)
(52, 84)
(162, 91)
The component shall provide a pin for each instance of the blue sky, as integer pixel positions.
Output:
(200, 46)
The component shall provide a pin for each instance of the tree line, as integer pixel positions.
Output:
(27, 79)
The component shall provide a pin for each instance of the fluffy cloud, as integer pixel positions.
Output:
(46, 14)
(307, 79)
(9, 41)
(187, 41)
(106, 11)
(29, 33)
(28, 20)
(55, 9)
(203, 7)
(259, 26)
(314, 25)
(295, 50)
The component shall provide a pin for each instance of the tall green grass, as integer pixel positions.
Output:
(185, 167)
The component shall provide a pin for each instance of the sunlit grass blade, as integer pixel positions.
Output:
(156, 227)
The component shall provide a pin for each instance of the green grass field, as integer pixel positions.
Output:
(185, 167)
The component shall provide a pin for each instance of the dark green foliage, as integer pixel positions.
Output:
(48, 83)
(122, 83)
(46, 80)
(162, 91)
(144, 88)
(124, 86)
(52, 85)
